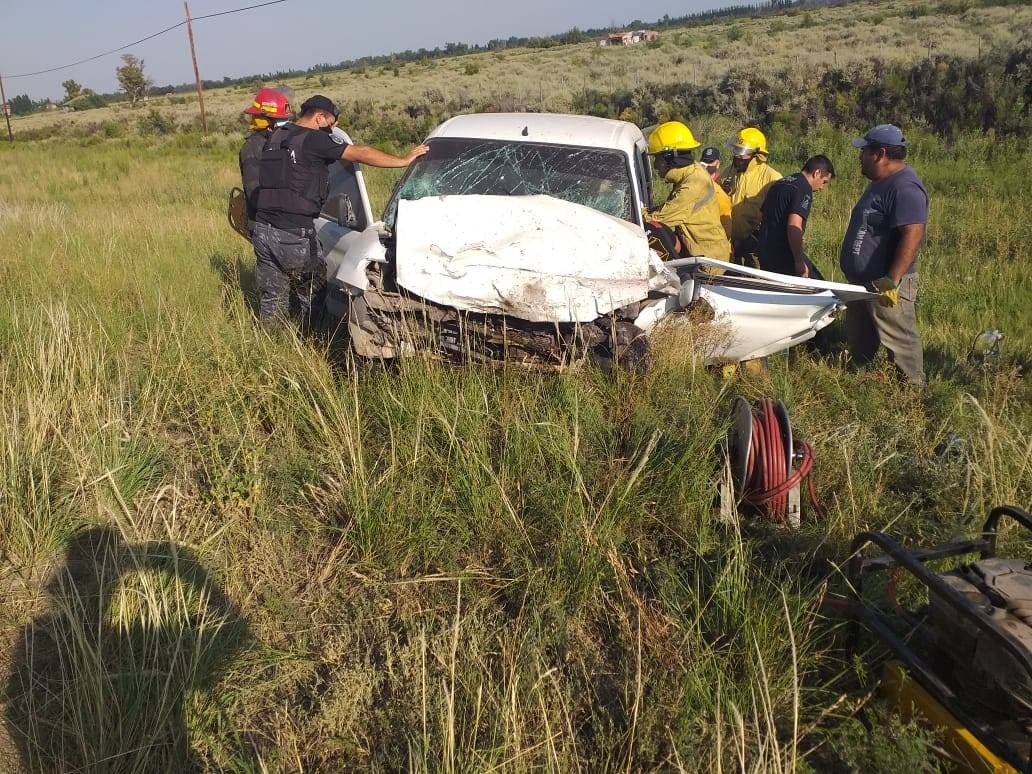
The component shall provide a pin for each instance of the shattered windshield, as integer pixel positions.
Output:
(590, 176)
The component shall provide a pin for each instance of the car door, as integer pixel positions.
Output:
(347, 210)
(755, 313)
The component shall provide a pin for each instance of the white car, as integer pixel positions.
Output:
(520, 236)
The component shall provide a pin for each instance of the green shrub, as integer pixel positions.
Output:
(111, 129)
(472, 68)
(156, 122)
(734, 33)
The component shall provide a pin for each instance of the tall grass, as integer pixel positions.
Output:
(304, 563)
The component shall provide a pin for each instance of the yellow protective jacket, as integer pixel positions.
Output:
(694, 213)
(747, 191)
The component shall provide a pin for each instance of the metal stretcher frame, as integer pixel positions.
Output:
(895, 555)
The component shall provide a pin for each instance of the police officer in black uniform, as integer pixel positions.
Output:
(785, 212)
(294, 181)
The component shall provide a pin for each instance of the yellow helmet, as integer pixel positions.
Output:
(749, 141)
(672, 136)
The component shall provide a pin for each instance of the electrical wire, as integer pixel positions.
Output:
(769, 478)
(143, 40)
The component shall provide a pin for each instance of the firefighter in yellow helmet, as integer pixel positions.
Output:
(747, 183)
(691, 211)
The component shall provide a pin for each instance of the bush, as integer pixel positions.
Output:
(111, 129)
(155, 122)
(734, 33)
(86, 101)
(916, 11)
(472, 68)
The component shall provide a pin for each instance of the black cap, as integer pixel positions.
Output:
(319, 102)
(709, 155)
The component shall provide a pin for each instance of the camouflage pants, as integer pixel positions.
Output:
(870, 325)
(288, 261)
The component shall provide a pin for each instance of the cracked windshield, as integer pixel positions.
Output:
(594, 178)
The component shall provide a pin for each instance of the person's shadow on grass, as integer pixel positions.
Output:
(101, 682)
(236, 277)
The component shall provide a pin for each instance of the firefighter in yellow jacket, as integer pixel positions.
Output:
(691, 210)
(747, 184)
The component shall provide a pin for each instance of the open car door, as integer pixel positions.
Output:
(345, 215)
(755, 313)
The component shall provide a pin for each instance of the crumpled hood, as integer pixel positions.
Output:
(536, 258)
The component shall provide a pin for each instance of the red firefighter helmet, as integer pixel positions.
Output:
(269, 103)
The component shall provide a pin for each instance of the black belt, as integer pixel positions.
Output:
(297, 231)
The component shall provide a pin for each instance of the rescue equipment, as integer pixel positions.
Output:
(237, 213)
(269, 103)
(749, 141)
(672, 136)
(968, 649)
(767, 464)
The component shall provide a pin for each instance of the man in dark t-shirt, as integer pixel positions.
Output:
(885, 232)
(293, 183)
(785, 212)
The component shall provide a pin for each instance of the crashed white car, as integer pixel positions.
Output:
(520, 237)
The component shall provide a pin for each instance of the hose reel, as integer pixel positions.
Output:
(765, 464)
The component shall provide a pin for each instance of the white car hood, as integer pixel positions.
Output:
(536, 258)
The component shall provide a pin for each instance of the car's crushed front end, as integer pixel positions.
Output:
(541, 281)
(529, 278)
(521, 238)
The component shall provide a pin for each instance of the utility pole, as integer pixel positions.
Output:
(4, 107)
(197, 72)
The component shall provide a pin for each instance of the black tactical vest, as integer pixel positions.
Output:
(250, 163)
(290, 182)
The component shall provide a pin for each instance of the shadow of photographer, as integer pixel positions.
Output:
(102, 681)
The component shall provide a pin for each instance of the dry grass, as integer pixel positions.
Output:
(548, 79)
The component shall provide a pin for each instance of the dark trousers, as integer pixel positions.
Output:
(288, 261)
(870, 325)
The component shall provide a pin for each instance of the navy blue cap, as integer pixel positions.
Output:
(709, 155)
(319, 102)
(882, 134)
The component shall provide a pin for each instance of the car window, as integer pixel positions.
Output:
(593, 177)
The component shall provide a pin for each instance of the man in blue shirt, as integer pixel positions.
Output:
(885, 232)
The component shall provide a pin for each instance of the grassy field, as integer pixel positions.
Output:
(298, 564)
(788, 48)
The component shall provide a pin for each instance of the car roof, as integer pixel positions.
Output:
(553, 128)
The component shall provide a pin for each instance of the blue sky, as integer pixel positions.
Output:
(37, 34)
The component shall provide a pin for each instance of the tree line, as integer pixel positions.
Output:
(86, 98)
(131, 78)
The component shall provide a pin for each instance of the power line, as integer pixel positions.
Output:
(143, 40)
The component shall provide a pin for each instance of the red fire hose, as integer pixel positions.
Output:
(768, 478)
